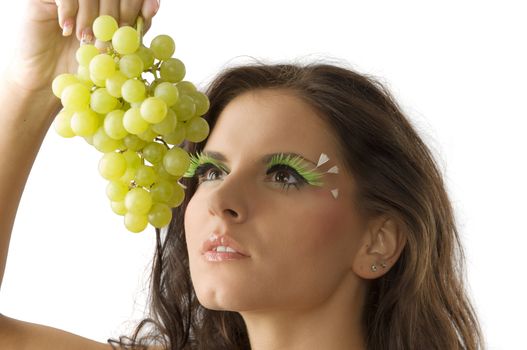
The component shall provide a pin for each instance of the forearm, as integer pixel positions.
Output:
(25, 118)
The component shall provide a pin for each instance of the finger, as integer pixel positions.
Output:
(109, 7)
(146, 26)
(88, 11)
(129, 11)
(67, 10)
(149, 9)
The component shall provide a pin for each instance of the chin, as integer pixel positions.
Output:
(223, 298)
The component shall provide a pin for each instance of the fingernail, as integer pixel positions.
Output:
(67, 29)
(87, 36)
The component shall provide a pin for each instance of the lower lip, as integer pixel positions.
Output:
(222, 256)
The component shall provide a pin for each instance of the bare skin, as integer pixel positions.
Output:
(28, 108)
(304, 284)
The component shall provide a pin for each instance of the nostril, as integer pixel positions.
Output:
(235, 214)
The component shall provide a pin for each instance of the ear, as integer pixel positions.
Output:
(382, 243)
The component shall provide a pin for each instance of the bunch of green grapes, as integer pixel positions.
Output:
(131, 103)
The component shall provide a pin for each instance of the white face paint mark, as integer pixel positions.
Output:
(323, 159)
(334, 170)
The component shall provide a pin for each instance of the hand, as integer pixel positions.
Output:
(52, 30)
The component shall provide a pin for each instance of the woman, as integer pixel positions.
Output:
(363, 252)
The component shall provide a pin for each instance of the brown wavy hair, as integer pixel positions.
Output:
(420, 303)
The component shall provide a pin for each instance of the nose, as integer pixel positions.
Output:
(228, 201)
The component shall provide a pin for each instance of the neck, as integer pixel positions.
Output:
(333, 324)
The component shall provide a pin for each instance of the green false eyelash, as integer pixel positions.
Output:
(311, 176)
(295, 162)
(199, 159)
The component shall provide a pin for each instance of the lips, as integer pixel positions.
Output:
(216, 240)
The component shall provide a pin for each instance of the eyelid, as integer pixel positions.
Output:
(312, 177)
(294, 163)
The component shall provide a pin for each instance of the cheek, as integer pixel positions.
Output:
(318, 230)
(191, 222)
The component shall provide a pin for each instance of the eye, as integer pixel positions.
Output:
(284, 172)
(206, 172)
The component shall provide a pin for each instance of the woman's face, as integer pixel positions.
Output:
(301, 241)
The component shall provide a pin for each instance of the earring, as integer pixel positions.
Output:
(374, 267)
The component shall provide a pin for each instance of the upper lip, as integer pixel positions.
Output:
(222, 240)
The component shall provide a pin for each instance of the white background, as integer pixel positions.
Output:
(458, 69)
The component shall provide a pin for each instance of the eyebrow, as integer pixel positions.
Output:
(264, 160)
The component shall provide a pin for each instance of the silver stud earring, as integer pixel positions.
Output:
(374, 267)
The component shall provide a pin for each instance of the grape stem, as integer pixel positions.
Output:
(139, 24)
(162, 141)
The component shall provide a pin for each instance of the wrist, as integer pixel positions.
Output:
(30, 98)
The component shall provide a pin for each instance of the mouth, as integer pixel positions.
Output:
(216, 256)
(223, 246)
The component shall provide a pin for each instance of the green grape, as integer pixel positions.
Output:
(159, 215)
(145, 176)
(133, 90)
(88, 139)
(84, 123)
(104, 27)
(85, 53)
(185, 87)
(104, 143)
(125, 40)
(167, 92)
(102, 66)
(98, 82)
(162, 191)
(113, 124)
(116, 191)
(172, 70)
(128, 175)
(196, 129)
(154, 84)
(131, 65)
(202, 102)
(163, 47)
(163, 174)
(135, 222)
(75, 97)
(112, 166)
(146, 55)
(176, 161)
(148, 135)
(83, 75)
(133, 122)
(153, 110)
(118, 207)
(138, 200)
(167, 125)
(102, 102)
(177, 136)
(132, 159)
(178, 195)
(62, 123)
(134, 143)
(154, 152)
(185, 108)
(61, 82)
(114, 83)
